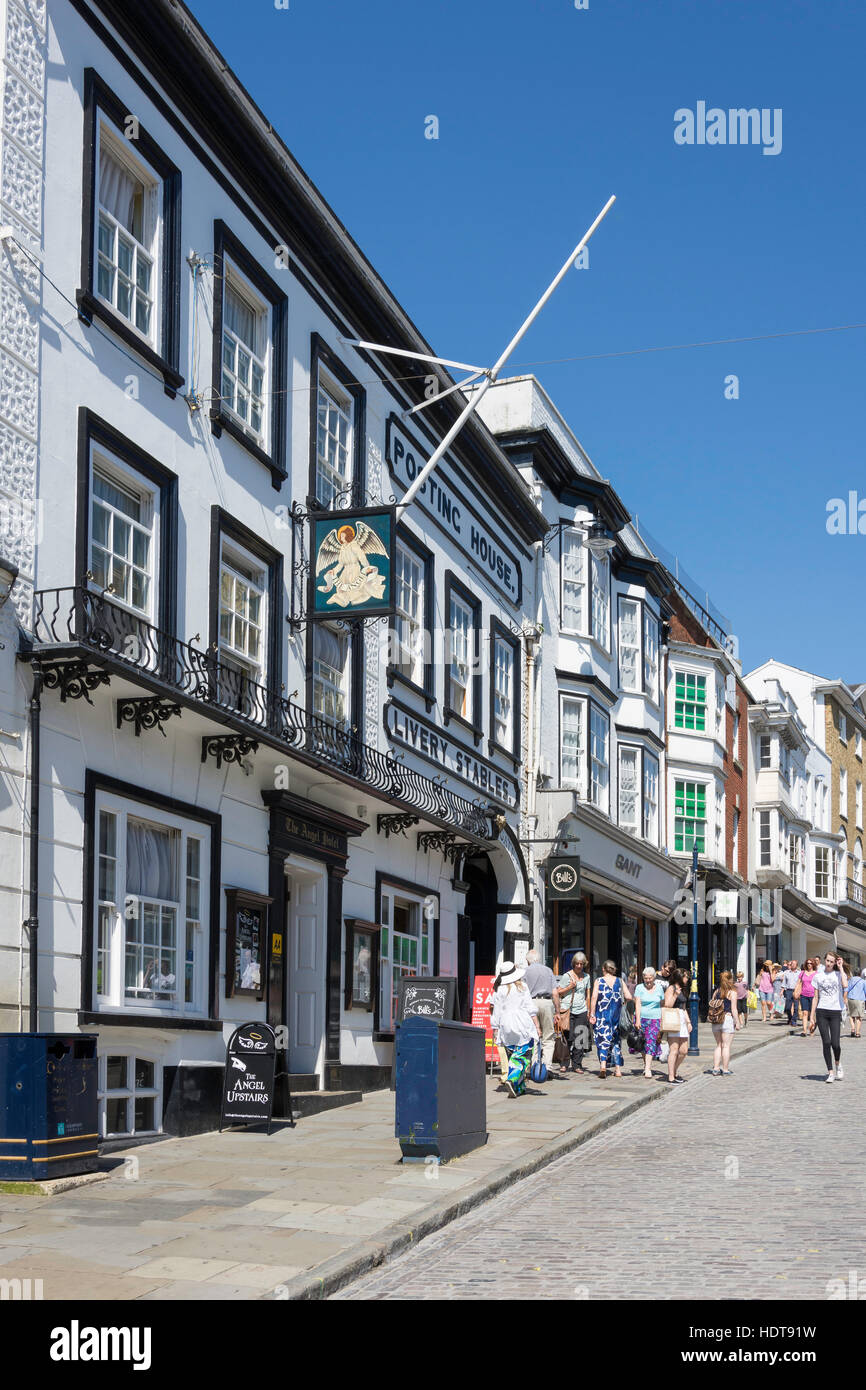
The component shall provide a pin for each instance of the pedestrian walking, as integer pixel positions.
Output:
(778, 993)
(609, 993)
(724, 1021)
(570, 1000)
(742, 999)
(648, 997)
(828, 1004)
(631, 985)
(857, 1002)
(807, 992)
(541, 982)
(790, 980)
(764, 987)
(515, 1025)
(677, 1037)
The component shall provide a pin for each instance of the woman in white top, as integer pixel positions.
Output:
(828, 1002)
(515, 1025)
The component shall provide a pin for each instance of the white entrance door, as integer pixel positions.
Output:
(305, 913)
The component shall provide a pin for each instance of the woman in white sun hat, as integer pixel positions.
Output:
(515, 1024)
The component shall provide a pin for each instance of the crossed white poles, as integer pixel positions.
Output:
(488, 373)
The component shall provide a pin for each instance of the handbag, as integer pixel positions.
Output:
(561, 1054)
(672, 1021)
(563, 1016)
(538, 1070)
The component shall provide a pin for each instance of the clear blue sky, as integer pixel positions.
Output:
(545, 110)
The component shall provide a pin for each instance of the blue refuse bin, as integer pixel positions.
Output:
(440, 1085)
(49, 1113)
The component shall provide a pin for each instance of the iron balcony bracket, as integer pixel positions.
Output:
(150, 713)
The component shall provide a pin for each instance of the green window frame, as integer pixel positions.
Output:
(690, 702)
(690, 817)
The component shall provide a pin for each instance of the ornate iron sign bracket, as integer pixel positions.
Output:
(74, 679)
(228, 748)
(150, 713)
(396, 824)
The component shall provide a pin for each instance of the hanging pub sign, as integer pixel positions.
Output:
(246, 942)
(353, 559)
(248, 1085)
(563, 878)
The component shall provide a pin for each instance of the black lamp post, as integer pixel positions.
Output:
(694, 998)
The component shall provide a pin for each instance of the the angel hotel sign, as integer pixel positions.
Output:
(353, 559)
(454, 513)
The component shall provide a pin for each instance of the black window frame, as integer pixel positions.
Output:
(97, 781)
(224, 525)
(321, 355)
(356, 669)
(453, 585)
(92, 429)
(428, 690)
(498, 631)
(226, 244)
(165, 358)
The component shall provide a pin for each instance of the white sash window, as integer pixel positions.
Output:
(127, 234)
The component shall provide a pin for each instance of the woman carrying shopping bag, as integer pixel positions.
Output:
(676, 1025)
(515, 1025)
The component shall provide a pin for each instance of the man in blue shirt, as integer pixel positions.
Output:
(857, 1002)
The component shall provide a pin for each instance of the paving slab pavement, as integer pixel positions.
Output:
(300, 1213)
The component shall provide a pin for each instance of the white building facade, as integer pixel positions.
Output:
(240, 813)
(596, 779)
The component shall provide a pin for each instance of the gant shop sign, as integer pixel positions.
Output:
(427, 741)
(452, 511)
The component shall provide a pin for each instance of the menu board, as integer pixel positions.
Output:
(431, 996)
(248, 1086)
(246, 942)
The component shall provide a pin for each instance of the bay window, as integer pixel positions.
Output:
(151, 906)
(599, 770)
(651, 655)
(823, 873)
(601, 600)
(690, 701)
(630, 673)
(690, 817)
(573, 572)
(629, 788)
(572, 743)
(650, 797)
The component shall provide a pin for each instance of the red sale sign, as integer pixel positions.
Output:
(482, 1002)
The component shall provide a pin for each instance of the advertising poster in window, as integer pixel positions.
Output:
(354, 554)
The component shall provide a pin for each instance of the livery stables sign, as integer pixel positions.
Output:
(441, 500)
(411, 731)
(353, 558)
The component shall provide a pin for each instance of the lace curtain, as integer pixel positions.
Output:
(151, 861)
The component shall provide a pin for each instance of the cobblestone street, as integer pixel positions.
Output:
(750, 1186)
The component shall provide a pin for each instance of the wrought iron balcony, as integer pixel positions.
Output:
(76, 629)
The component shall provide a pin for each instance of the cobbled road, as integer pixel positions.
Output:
(748, 1186)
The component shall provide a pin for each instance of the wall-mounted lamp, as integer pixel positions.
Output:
(600, 540)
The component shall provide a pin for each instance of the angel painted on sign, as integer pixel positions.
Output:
(342, 558)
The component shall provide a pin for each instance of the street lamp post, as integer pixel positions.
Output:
(694, 998)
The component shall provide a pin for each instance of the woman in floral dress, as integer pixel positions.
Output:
(608, 996)
(649, 997)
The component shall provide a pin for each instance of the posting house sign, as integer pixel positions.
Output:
(563, 878)
(440, 499)
(353, 559)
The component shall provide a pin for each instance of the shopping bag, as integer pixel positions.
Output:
(664, 1049)
(751, 1000)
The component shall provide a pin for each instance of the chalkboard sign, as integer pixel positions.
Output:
(248, 1085)
(246, 942)
(431, 996)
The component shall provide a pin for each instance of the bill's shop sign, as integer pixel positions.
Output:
(456, 516)
(411, 731)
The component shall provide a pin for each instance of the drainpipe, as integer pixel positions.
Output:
(33, 838)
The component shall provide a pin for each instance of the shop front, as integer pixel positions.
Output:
(624, 889)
